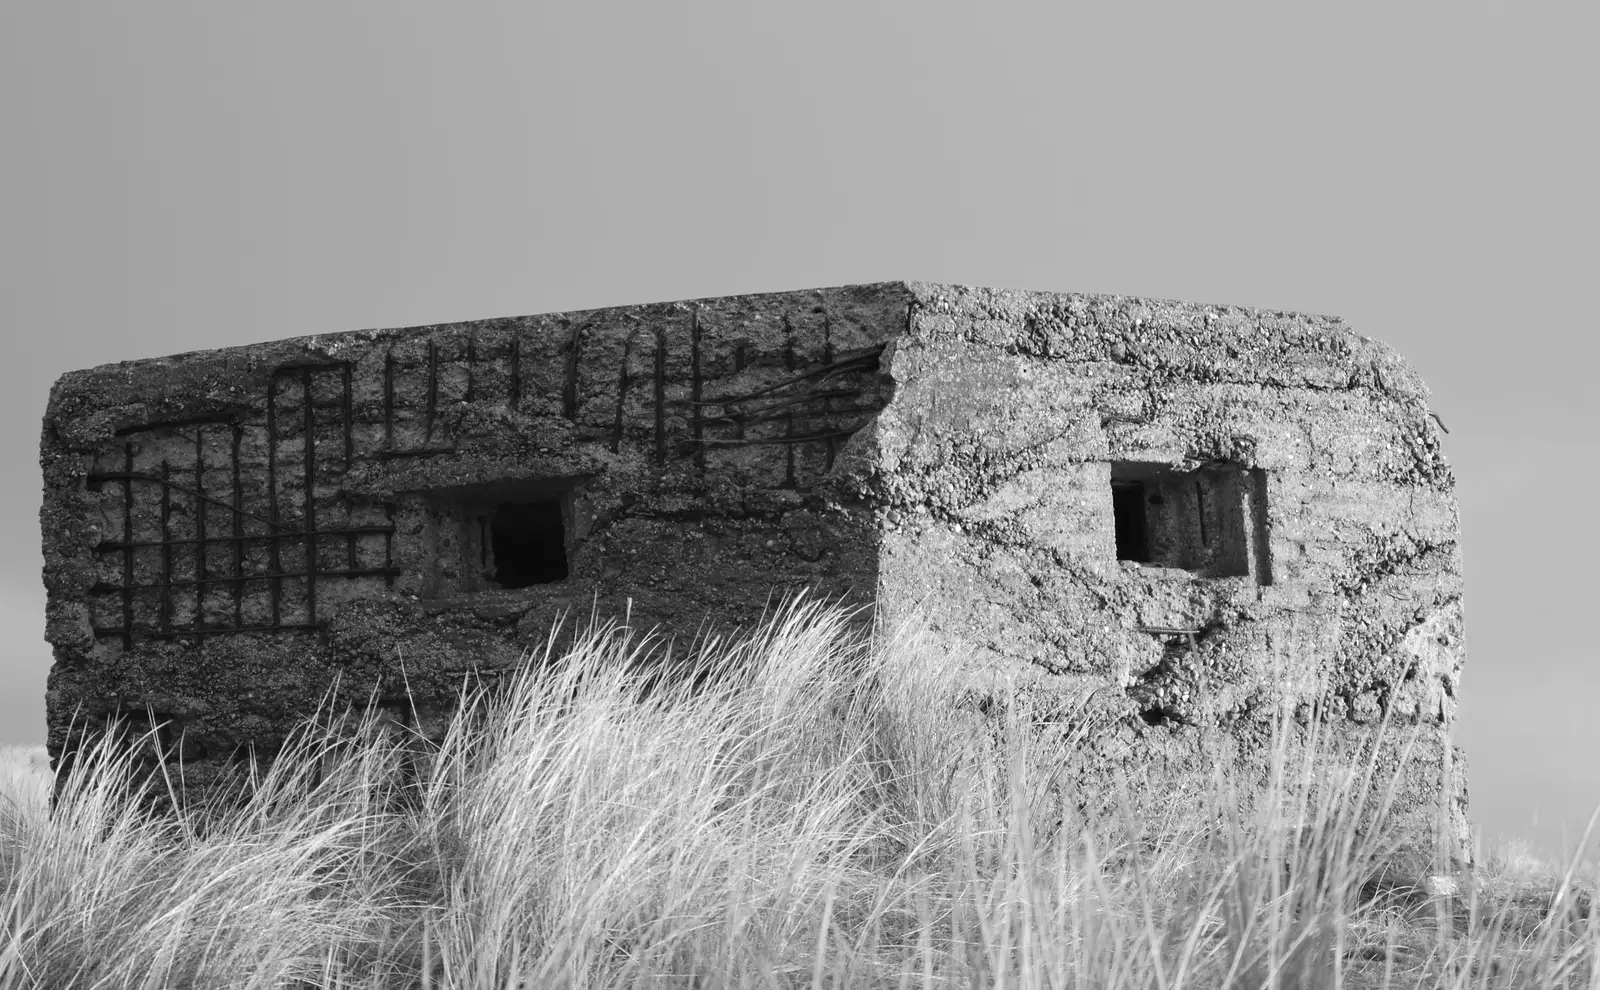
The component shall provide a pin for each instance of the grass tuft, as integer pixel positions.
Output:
(819, 811)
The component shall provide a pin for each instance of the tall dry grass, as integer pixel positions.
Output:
(818, 813)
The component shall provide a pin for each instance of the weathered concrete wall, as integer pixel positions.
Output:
(226, 531)
(1323, 564)
(1183, 516)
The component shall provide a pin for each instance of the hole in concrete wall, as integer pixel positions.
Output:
(1127, 503)
(506, 534)
(1154, 716)
(529, 542)
(1193, 520)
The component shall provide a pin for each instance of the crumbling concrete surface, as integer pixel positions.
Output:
(1175, 520)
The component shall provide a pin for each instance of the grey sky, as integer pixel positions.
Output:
(191, 175)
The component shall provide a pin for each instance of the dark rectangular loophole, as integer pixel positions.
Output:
(1205, 521)
(529, 543)
(1127, 505)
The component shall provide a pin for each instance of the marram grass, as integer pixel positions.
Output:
(819, 813)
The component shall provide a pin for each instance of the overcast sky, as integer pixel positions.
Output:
(192, 175)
